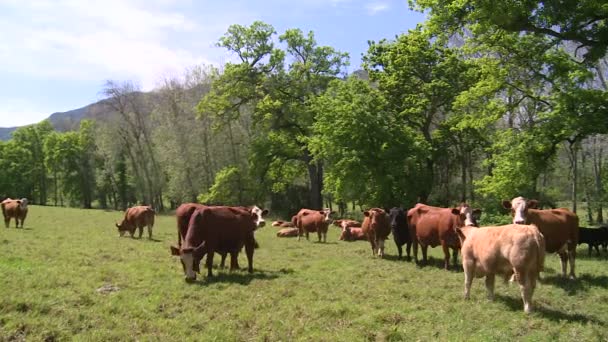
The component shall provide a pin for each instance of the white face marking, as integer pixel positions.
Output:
(468, 215)
(188, 260)
(326, 213)
(259, 221)
(518, 205)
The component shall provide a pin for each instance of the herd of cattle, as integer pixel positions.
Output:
(516, 250)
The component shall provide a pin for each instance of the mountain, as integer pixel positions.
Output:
(65, 121)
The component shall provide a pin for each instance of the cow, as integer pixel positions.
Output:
(283, 224)
(288, 232)
(14, 209)
(183, 214)
(400, 230)
(310, 221)
(343, 223)
(433, 226)
(514, 249)
(376, 228)
(137, 217)
(594, 237)
(353, 234)
(218, 228)
(558, 226)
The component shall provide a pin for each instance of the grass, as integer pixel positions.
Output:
(51, 270)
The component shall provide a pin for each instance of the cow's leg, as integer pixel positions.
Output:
(446, 255)
(7, 221)
(571, 258)
(210, 253)
(455, 256)
(381, 248)
(590, 248)
(525, 285)
(325, 237)
(150, 232)
(468, 280)
(234, 260)
(319, 235)
(408, 250)
(424, 248)
(563, 259)
(249, 248)
(299, 234)
(307, 237)
(223, 260)
(141, 231)
(399, 249)
(415, 245)
(490, 285)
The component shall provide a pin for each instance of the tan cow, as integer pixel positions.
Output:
(310, 221)
(287, 232)
(514, 249)
(558, 226)
(136, 218)
(14, 208)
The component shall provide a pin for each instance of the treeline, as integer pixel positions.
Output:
(467, 107)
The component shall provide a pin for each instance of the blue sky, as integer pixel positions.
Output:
(56, 55)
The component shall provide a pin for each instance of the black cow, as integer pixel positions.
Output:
(594, 237)
(401, 234)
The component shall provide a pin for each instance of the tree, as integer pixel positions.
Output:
(276, 86)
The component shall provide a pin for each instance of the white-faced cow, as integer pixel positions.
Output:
(376, 228)
(310, 221)
(433, 226)
(511, 250)
(558, 226)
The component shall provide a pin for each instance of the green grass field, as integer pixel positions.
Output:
(51, 270)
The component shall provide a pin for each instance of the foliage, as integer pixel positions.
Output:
(227, 189)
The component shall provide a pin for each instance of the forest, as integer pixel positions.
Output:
(483, 102)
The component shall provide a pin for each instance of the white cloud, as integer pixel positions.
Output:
(376, 7)
(112, 39)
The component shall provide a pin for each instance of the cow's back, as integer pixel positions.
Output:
(558, 226)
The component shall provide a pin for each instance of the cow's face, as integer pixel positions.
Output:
(326, 212)
(468, 216)
(519, 208)
(376, 216)
(187, 260)
(258, 216)
(395, 215)
(121, 229)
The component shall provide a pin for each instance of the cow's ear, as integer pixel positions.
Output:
(366, 213)
(532, 204)
(456, 211)
(174, 250)
(264, 212)
(477, 213)
(506, 204)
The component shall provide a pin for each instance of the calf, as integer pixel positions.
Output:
(137, 217)
(558, 226)
(288, 232)
(353, 234)
(517, 250)
(14, 209)
(401, 233)
(594, 237)
(376, 228)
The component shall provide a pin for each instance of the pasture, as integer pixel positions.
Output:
(51, 270)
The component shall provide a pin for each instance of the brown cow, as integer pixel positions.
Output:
(343, 223)
(353, 234)
(514, 249)
(14, 208)
(137, 218)
(558, 226)
(212, 229)
(283, 224)
(288, 232)
(376, 228)
(183, 214)
(310, 221)
(433, 226)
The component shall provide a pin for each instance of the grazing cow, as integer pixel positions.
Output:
(288, 232)
(183, 214)
(14, 208)
(401, 233)
(376, 228)
(514, 249)
(220, 228)
(433, 226)
(558, 226)
(137, 218)
(594, 237)
(353, 234)
(310, 221)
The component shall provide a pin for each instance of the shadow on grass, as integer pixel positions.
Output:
(582, 283)
(439, 263)
(243, 277)
(516, 304)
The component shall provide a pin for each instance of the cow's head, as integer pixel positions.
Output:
(519, 208)
(326, 212)
(122, 228)
(376, 216)
(396, 215)
(258, 216)
(468, 216)
(23, 203)
(338, 223)
(190, 259)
